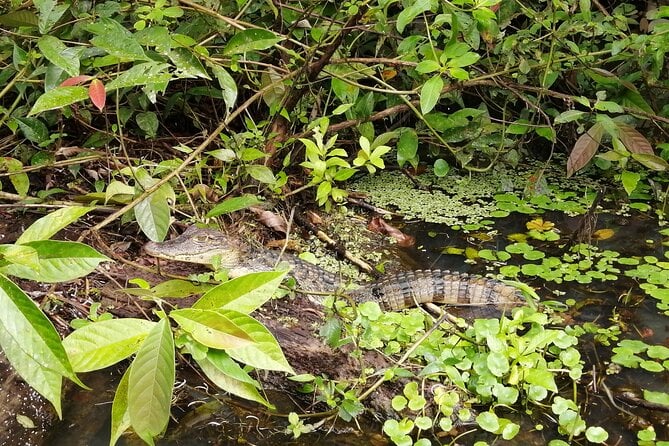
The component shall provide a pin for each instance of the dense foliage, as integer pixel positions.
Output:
(189, 102)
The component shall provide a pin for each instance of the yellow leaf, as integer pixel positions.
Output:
(603, 234)
(538, 224)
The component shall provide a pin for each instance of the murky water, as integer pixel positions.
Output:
(222, 422)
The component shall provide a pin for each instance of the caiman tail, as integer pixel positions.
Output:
(393, 292)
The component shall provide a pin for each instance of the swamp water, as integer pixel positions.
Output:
(226, 422)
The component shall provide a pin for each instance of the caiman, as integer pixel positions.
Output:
(393, 292)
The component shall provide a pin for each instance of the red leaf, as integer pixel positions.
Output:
(584, 149)
(633, 140)
(97, 93)
(76, 80)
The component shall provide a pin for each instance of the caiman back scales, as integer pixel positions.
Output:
(393, 292)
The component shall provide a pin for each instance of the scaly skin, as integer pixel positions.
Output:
(394, 292)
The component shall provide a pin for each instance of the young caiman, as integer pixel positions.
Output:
(393, 292)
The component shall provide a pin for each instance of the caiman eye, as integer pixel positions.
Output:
(200, 238)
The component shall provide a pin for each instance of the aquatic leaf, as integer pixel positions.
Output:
(233, 204)
(101, 344)
(244, 294)
(584, 149)
(539, 224)
(634, 141)
(488, 421)
(603, 234)
(541, 377)
(32, 345)
(656, 397)
(120, 416)
(47, 226)
(211, 328)
(150, 383)
(227, 375)
(265, 352)
(58, 262)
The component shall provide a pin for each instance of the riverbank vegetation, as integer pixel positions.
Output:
(127, 116)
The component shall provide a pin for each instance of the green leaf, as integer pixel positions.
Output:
(101, 344)
(150, 383)
(265, 352)
(428, 66)
(656, 397)
(58, 54)
(230, 377)
(17, 177)
(141, 74)
(261, 173)
(498, 364)
(58, 98)
(19, 18)
(408, 14)
(211, 328)
(49, 13)
(22, 255)
(175, 288)
(153, 213)
(188, 65)
(488, 421)
(250, 40)
(58, 262)
(120, 416)
(441, 168)
(148, 123)
(117, 41)
(543, 378)
(630, 181)
(33, 129)
(244, 294)
(596, 434)
(430, 93)
(652, 162)
(31, 344)
(227, 84)
(407, 146)
(233, 204)
(47, 226)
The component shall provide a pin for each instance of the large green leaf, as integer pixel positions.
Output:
(408, 14)
(230, 377)
(50, 224)
(59, 98)
(233, 204)
(250, 40)
(31, 343)
(430, 93)
(120, 416)
(211, 328)
(56, 52)
(150, 383)
(58, 262)
(116, 40)
(153, 213)
(49, 13)
(141, 74)
(243, 294)
(23, 255)
(101, 344)
(16, 19)
(265, 353)
(227, 84)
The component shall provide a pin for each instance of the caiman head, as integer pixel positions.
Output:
(203, 246)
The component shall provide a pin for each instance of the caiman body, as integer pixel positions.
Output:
(393, 292)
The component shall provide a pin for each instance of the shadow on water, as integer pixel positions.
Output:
(207, 420)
